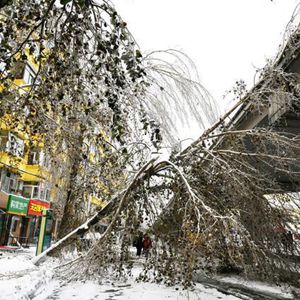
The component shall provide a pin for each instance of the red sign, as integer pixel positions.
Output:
(36, 207)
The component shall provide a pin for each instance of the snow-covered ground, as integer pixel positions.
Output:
(21, 280)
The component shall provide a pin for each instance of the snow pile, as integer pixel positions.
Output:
(20, 278)
(11, 263)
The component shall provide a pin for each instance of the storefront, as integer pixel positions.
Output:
(35, 211)
(20, 219)
(17, 220)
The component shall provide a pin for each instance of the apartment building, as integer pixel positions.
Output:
(28, 184)
(25, 185)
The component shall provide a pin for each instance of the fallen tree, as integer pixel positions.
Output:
(227, 203)
(208, 214)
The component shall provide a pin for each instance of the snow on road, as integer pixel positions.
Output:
(21, 280)
(145, 291)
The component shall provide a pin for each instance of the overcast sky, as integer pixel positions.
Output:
(227, 39)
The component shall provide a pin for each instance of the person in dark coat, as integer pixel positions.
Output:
(138, 243)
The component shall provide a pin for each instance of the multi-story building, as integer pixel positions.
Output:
(27, 182)
(25, 189)
(24, 194)
(26, 185)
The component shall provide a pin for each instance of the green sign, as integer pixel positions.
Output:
(17, 205)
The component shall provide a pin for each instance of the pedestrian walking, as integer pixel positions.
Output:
(147, 243)
(138, 244)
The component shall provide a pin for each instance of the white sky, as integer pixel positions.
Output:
(227, 39)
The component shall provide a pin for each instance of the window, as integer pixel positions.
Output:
(3, 141)
(47, 195)
(36, 190)
(11, 143)
(44, 191)
(28, 75)
(10, 183)
(44, 159)
(15, 145)
(30, 189)
(27, 190)
(34, 157)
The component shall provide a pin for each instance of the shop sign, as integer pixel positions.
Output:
(17, 205)
(3, 200)
(36, 207)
